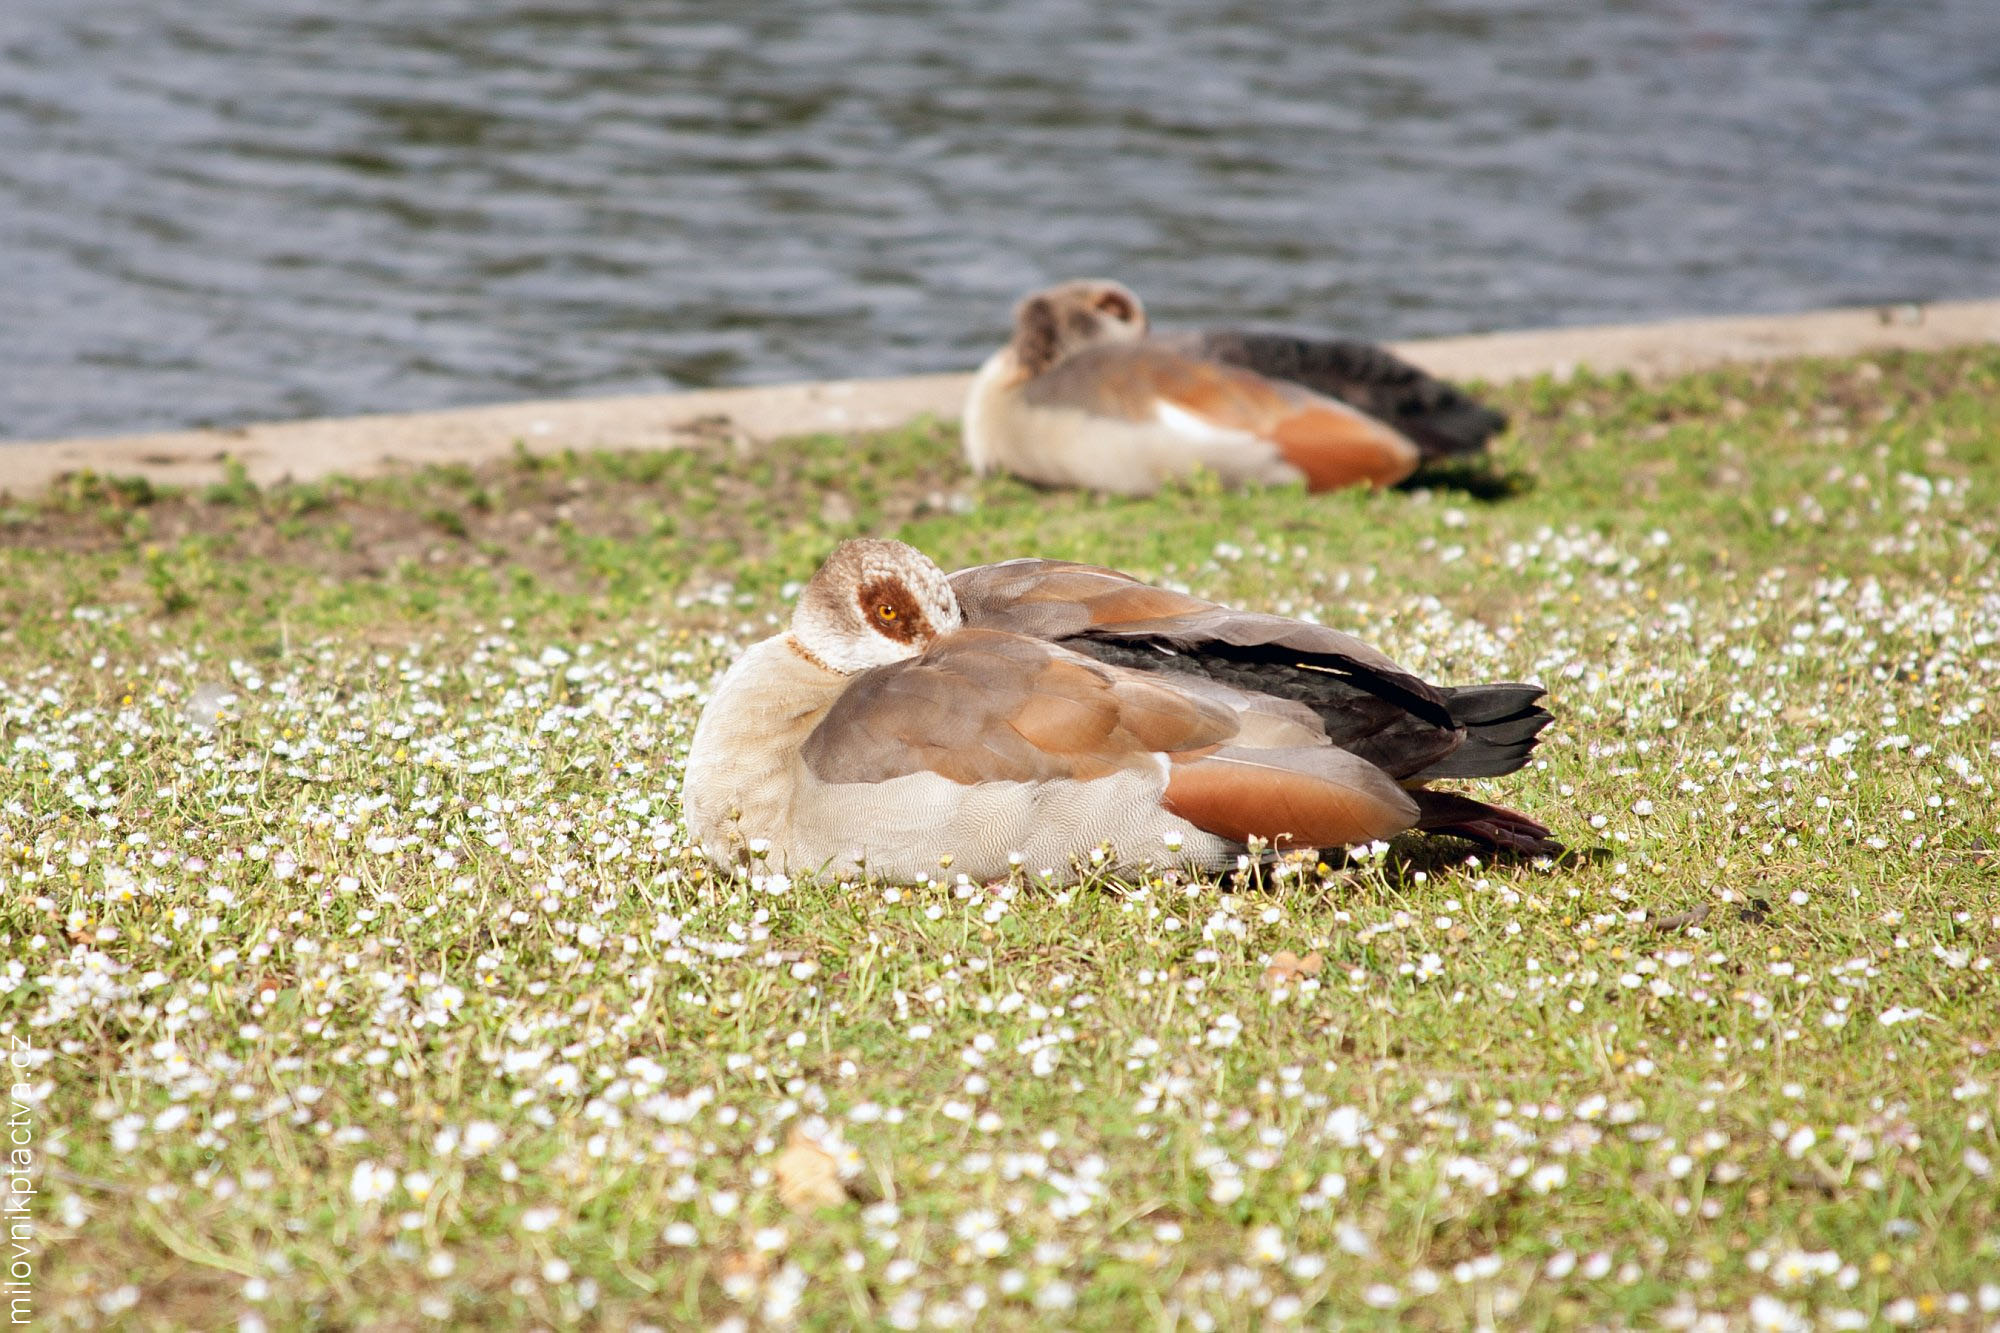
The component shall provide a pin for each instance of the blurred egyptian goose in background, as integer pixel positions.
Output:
(1084, 395)
(1044, 709)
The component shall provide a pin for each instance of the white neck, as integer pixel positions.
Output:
(847, 653)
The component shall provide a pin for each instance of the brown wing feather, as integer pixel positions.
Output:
(1053, 599)
(1165, 719)
(1337, 446)
(1222, 395)
(1113, 599)
(1068, 709)
(1304, 797)
(986, 706)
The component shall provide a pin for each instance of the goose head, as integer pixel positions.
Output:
(872, 603)
(1086, 312)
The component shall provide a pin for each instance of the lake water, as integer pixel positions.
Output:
(214, 211)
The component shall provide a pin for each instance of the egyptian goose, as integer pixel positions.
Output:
(1084, 395)
(907, 722)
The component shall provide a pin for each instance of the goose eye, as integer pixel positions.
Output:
(886, 612)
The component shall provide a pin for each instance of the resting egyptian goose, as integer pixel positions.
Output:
(906, 721)
(1085, 396)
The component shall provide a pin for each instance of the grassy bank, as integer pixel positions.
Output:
(369, 980)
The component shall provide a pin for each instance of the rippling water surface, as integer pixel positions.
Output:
(214, 211)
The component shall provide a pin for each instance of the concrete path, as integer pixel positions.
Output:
(362, 446)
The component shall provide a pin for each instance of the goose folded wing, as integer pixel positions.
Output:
(986, 706)
(983, 706)
(1332, 443)
(1111, 616)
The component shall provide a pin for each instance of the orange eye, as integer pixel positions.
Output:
(886, 612)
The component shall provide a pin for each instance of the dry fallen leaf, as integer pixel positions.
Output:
(808, 1175)
(1694, 916)
(1287, 967)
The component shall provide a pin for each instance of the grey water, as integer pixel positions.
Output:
(215, 211)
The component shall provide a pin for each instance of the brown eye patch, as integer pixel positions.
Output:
(888, 606)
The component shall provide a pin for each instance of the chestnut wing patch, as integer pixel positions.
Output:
(1304, 797)
(1333, 444)
(1440, 418)
(1336, 446)
(986, 706)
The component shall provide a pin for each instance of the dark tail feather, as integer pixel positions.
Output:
(1455, 429)
(1480, 705)
(1501, 723)
(1492, 826)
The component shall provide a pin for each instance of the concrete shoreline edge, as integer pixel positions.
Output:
(371, 445)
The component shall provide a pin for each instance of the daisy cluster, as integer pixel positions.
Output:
(372, 982)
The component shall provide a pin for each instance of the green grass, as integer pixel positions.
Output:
(369, 980)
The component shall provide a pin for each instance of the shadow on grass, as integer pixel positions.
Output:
(1432, 854)
(1476, 477)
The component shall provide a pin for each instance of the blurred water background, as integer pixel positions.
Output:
(214, 211)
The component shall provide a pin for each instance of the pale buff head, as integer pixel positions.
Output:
(872, 603)
(1087, 312)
